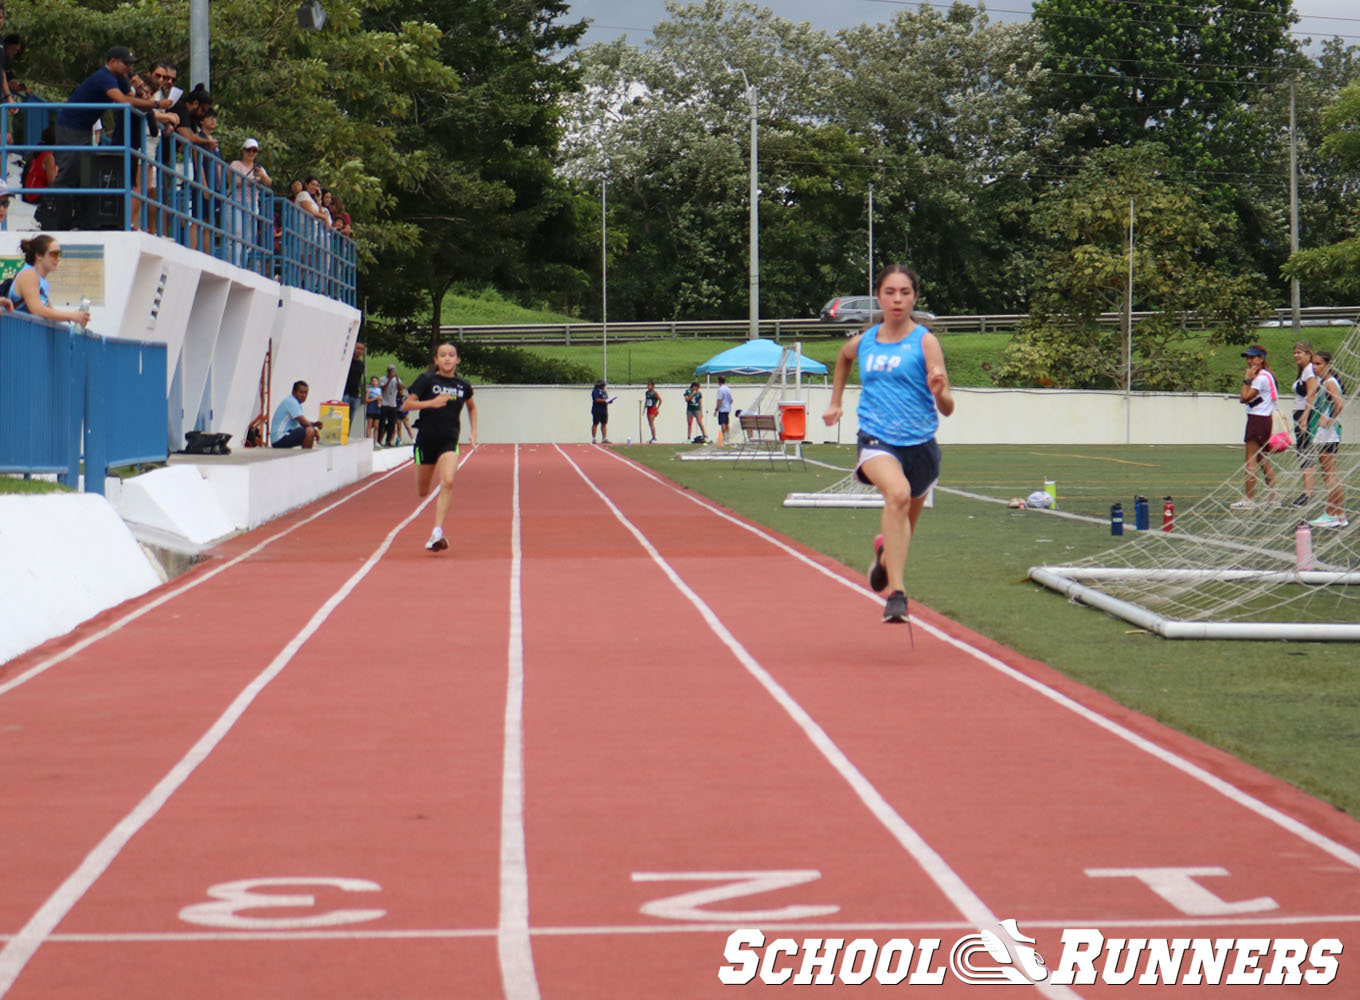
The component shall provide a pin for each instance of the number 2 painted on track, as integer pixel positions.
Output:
(688, 905)
(233, 897)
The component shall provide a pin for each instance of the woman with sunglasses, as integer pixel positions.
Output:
(249, 164)
(30, 290)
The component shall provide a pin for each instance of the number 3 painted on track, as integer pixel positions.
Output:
(233, 897)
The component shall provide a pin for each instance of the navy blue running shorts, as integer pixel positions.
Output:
(920, 462)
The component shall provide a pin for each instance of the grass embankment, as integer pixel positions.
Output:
(17, 484)
(970, 356)
(1288, 708)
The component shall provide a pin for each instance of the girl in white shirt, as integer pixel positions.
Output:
(1259, 393)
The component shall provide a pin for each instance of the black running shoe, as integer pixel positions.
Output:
(878, 576)
(1301, 500)
(895, 611)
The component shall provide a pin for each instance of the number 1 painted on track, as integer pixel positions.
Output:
(232, 897)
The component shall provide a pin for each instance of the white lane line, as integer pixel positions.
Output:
(716, 927)
(113, 627)
(513, 944)
(967, 902)
(1229, 791)
(23, 945)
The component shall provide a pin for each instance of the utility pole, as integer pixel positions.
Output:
(1293, 212)
(755, 219)
(199, 71)
(754, 280)
(871, 240)
(1128, 312)
(1128, 340)
(604, 275)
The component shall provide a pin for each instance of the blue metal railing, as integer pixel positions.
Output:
(183, 193)
(68, 396)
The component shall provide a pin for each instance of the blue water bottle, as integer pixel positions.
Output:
(1116, 519)
(1140, 513)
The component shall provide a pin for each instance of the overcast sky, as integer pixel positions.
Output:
(634, 18)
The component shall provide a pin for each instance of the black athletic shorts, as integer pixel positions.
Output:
(920, 462)
(1303, 441)
(430, 444)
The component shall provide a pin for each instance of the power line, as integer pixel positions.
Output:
(1028, 14)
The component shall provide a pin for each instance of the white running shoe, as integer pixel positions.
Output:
(437, 542)
(1244, 505)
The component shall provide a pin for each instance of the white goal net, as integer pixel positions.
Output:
(1227, 571)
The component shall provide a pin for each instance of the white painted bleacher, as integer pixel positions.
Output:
(69, 556)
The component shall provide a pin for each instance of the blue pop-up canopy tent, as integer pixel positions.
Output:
(755, 357)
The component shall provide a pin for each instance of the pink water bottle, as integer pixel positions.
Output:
(1303, 546)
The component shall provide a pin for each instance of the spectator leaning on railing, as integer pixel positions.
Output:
(246, 225)
(192, 108)
(163, 76)
(343, 223)
(314, 191)
(249, 164)
(110, 84)
(211, 170)
(304, 198)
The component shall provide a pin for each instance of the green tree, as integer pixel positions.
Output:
(1084, 271)
(487, 205)
(668, 128)
(435, 121)
(1193, 76)
(327, 103)
(1185, 74)
(1337, 265)
(948, 107)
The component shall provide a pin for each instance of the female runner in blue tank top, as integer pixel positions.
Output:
(905, 389)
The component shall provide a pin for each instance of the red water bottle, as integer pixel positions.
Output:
(1168, 513)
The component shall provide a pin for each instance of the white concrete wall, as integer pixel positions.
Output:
(216, 321)
(983, 416)
(256, 492)
(65, 558)
(314, 341)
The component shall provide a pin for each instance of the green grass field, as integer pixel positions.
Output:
(1288, 708)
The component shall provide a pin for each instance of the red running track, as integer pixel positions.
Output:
(569, 757)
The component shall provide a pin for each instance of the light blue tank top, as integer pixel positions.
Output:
(44, 291)
(895, 405)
